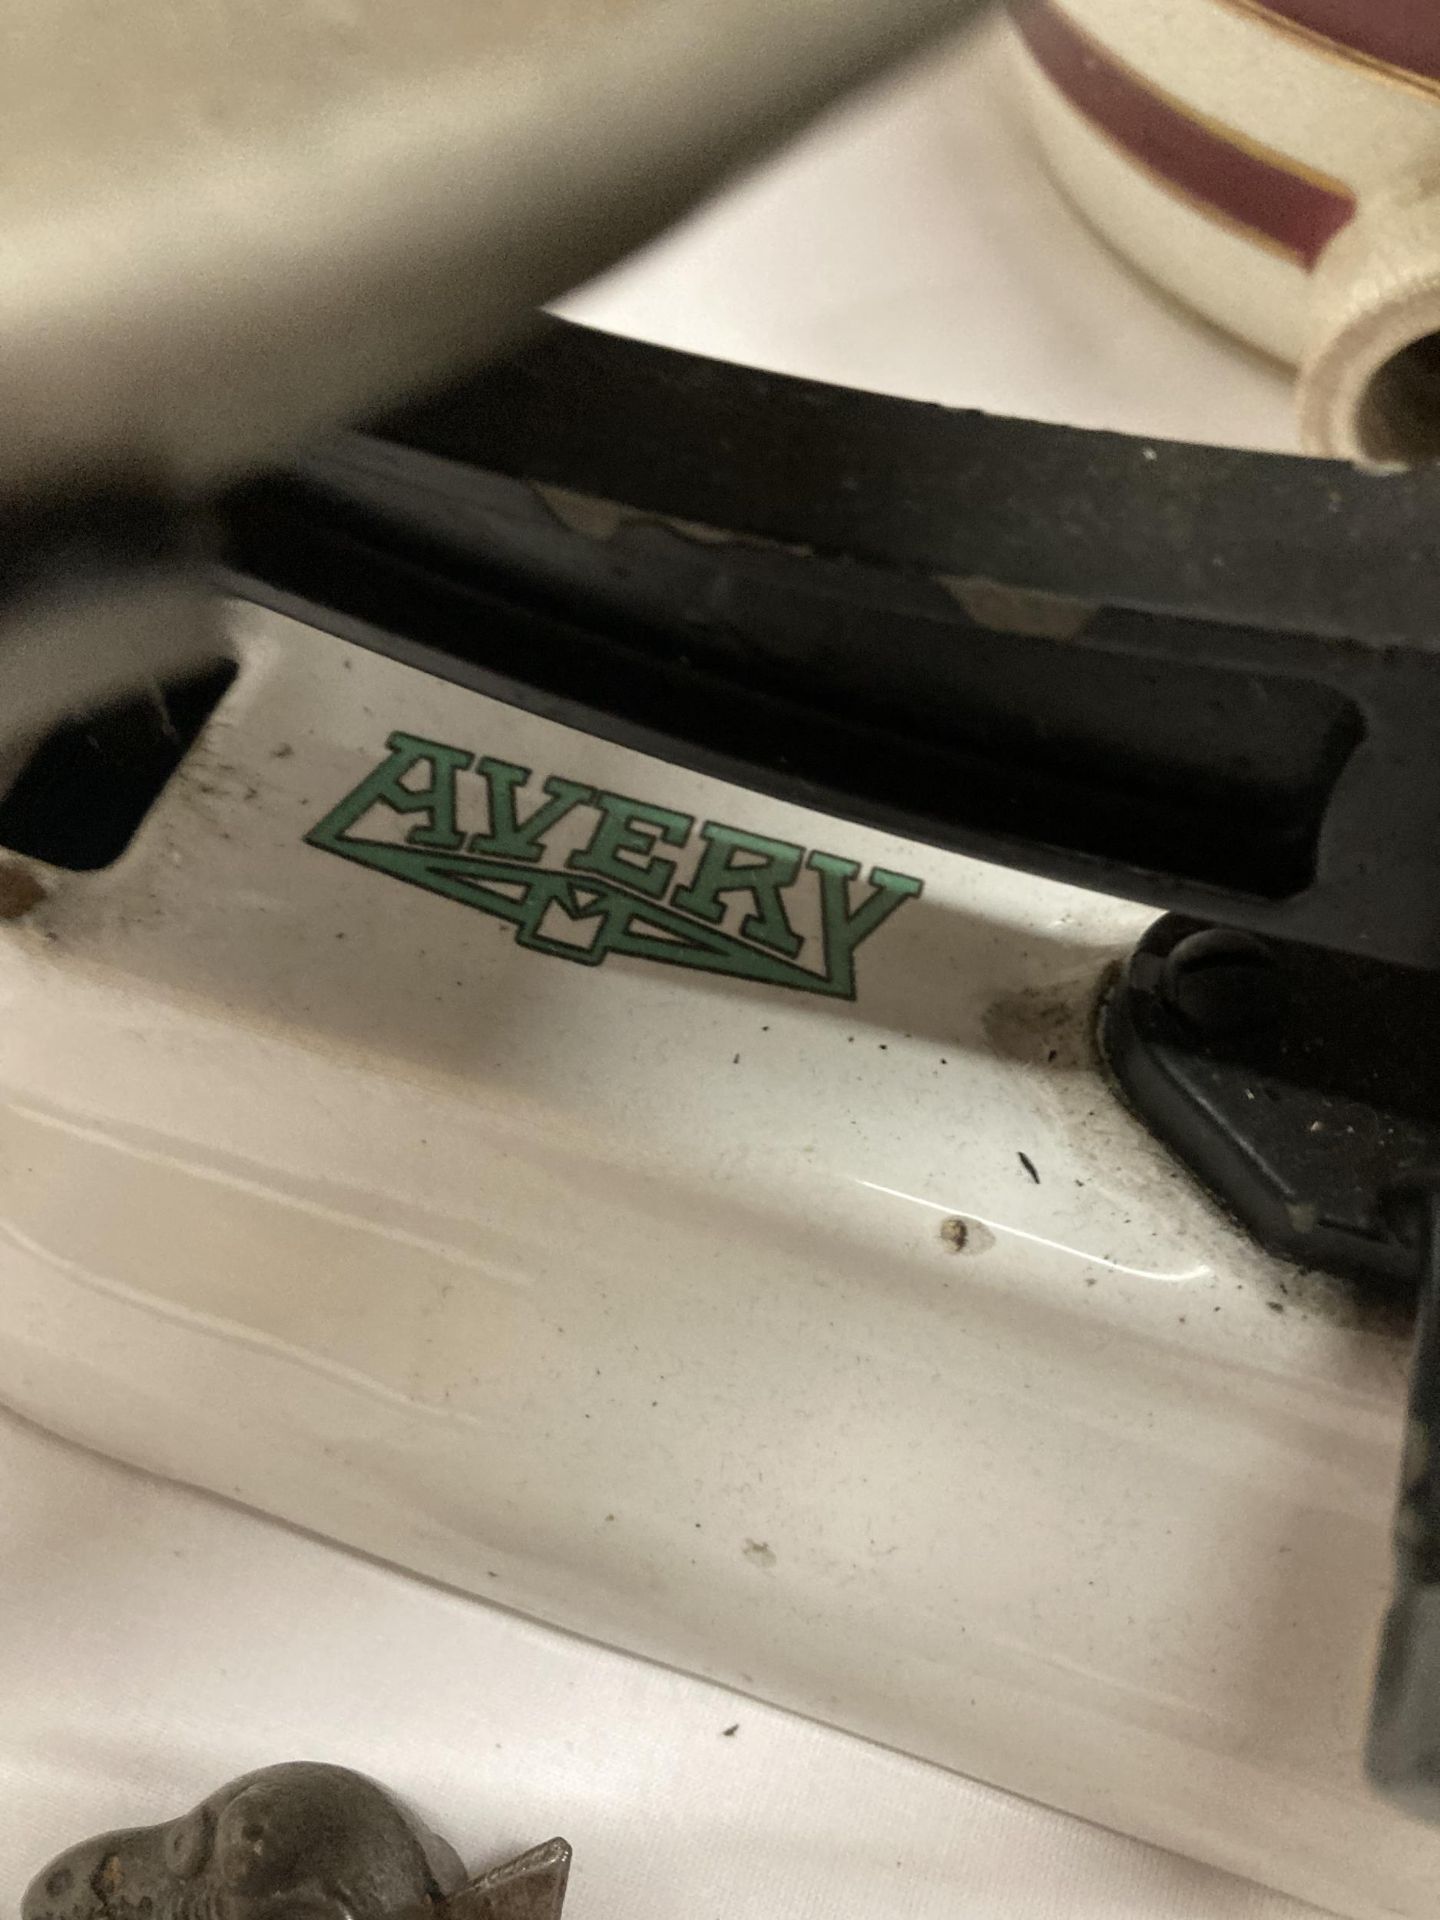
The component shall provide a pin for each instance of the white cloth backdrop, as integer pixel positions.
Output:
(154, 1642)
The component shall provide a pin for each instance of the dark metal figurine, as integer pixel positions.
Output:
(299, 1842)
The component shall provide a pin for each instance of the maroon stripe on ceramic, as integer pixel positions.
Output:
(1282, 207)
(1398, 33)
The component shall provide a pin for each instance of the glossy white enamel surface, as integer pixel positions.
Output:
(627, 1297)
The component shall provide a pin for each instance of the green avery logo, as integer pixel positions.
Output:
(582, 873)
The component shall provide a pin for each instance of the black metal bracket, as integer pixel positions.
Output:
(1301, 1085)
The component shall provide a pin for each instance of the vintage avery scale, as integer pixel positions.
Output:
(595, 1028)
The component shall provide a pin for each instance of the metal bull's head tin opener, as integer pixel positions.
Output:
(304, 1841)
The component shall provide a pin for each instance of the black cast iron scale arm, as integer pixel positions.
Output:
(1205, 679)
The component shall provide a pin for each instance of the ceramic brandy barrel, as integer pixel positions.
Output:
(1275, 163)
